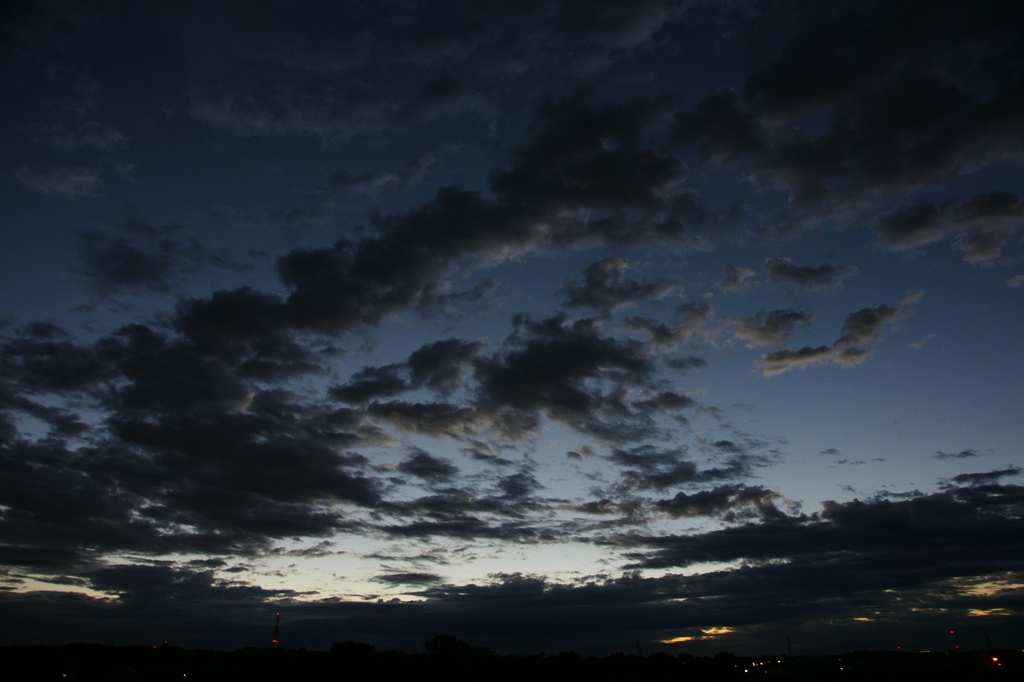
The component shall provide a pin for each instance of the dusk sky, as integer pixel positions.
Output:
(555, 326)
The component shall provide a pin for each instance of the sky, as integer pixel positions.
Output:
(556, 326)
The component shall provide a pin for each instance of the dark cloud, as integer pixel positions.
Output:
(519, 488)
(985, 477)
(409, 172)
(585, 167)
(507, 507)
(181, 443)
(247, 329)
(769, 328)
(667, 402)
(721, 128)
(59, 508)
(139, 257)
(321, 106)
(43, 357)
(825, 276)
(468, 529)
(371, 383)
(80, 133)
(692, 325)
(287, 473)
(649, 467)
(356, 284)
(783, 360)
(911, 227)
(424, 465)
(982, 248)
(899, 120)
(559, 366)
(162, 374)
(66, 183)
(330, 294)
(963, 454)
(440, 366)
(946, 527)
(161, 595)
(359, 284)
(871, 97)
(865, 325)
(982, 225)
(991, 210)
(434, 419)
(342, 79)
(568, 185)
(728, 501)
(685, 362)
(736, 279)
(40, 558)
(861, 331)
(482, 451)
(695, 314)
(161, 581)
(612, 26)
(588, 158)
(61, 422)
(606, 286)
(409, 578)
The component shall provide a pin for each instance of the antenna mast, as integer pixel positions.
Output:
(277, 629)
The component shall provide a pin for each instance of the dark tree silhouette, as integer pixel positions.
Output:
(447, 645)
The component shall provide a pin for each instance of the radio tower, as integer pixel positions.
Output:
(277, 629)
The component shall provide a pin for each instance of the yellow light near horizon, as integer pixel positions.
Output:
(988, 586)
(715, 632)
(708, 633)
(990, 612)
(27, 584)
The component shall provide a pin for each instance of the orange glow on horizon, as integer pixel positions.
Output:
(715, 632)
(677, 640)
(708, 633)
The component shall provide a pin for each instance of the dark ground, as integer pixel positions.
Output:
(448, 658)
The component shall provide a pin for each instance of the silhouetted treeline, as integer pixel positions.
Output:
(450, 659)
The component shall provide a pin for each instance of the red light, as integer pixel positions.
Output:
(952, 632)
